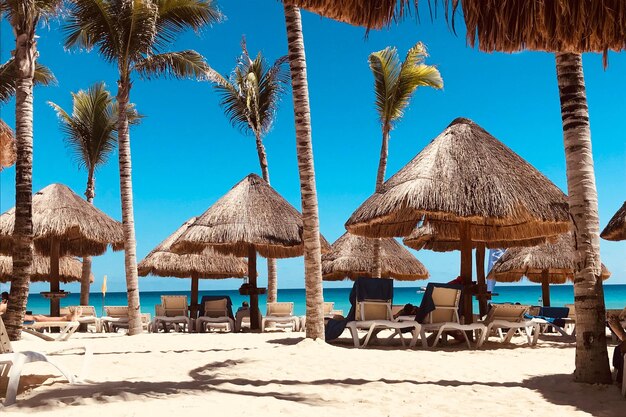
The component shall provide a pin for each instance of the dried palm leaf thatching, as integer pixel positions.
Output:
(252, 213)
(616, 229)
(353, 256)
(163, 262)
(372, 14)
(545, 25)
(445, 237)
(61, 215)
(557, 258)
(8, 153)
(466, 175)
(70, 269)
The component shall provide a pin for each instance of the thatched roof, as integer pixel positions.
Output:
(7, 146)
(163, 262)
(558, 258)
(251, 213)
(466, 175)
(445, 237)
(352, 256)
(59, 213)
(70, 269)
(616, 229)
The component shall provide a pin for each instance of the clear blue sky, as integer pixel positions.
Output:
(186, 155)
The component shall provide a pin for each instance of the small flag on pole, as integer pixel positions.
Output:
(104, 292)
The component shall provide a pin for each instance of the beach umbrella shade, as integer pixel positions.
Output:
(251, 218)
(70, 269)
(208, 264)
(63, 224)
(471, 185)
(548, 263)
(352, 256)
(616, 228)
(7, 146)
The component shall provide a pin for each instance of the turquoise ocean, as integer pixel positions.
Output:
(615, 297)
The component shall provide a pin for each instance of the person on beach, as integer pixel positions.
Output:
(73, 315)
(618, 354)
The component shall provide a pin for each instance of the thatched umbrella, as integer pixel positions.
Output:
(251, 218)
(70, 269)
(163, 262)
(7, 146)
(616, 229)
(472, 186)
(352, 256)
(549, 263)
(63, 224)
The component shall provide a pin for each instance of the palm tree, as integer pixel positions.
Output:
(90, 133)
(24, 16)
(394, 84)
(250, 98)
(308, 193)
(8, 75)
(133, 34)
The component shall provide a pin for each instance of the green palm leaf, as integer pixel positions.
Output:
(184, 64)
(43, 76)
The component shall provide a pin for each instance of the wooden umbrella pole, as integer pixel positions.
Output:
(480, 278)
(55, 302)
(466, 269)
(545, 288)
(254, 296)
(194, 296)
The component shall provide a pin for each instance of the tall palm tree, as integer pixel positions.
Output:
(250, 98)
(308, 192)
(8, 74)
(91, 135)
(394, 84)
(133, 35)
(24, 16)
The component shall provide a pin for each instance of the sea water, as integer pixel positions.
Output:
(615, 297)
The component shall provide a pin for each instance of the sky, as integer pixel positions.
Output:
(185, 154)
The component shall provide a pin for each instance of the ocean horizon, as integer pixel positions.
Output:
(614, 295)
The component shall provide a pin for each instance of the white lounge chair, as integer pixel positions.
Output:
(510, 317)
(173, 311)
(280, 315)
(374, 316)
(116, 317)
(66, 329)
(215, 317)
(88, 316)
(11, 364)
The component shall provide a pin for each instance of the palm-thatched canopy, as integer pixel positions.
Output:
(252, 213)
(208, 264)
(70, 269)
(557, 258)
(352, 256)
(465, 175)
(7, 146)
(61, 215)
(616, 229)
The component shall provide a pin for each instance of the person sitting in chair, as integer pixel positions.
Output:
(73, 315)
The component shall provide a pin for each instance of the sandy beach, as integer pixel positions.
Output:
(282, 373)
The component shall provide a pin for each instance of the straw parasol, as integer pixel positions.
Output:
(616, 229)
(352, 256)
(162, 262)
(7, 146)
(473, 188)
(70, 269)
(549, 263)
(63, 224)
(251, 218)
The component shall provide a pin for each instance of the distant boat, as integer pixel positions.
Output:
(421, 290)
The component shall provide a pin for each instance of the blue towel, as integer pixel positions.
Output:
(229, 303)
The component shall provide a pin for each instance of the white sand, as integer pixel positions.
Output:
(267, 374)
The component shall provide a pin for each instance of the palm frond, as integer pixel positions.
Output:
(176, 16)
(385, 66)
(93, 24)
(183, 64)
(43, 76)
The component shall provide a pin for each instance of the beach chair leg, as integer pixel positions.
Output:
(416, 334)
(370, 332)
(355, 335)
(441, 329)
(509, 335)
(535, 336)
(423, 337)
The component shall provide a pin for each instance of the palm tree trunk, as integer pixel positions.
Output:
(25, 56)
(128, 218)
(304, 149)
(380, 180)
(90, 193)
(592, 363)
(272, 272)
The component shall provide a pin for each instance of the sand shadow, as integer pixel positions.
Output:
(288, 341)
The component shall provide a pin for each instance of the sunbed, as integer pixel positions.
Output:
(88, 316)
(215, 317)
(66, 329)
(173, 311)
(11, 365)
(280, 315)
(116, 317)
(511, 318)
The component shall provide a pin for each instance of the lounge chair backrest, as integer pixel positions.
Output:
(446, 302)
(280, 309)
(5, 343)
(159, 310)
(116, 311)
(328, 308)
(216, 308)
(374, 310)
(85, 311)
(507, 312)
(174, 305)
